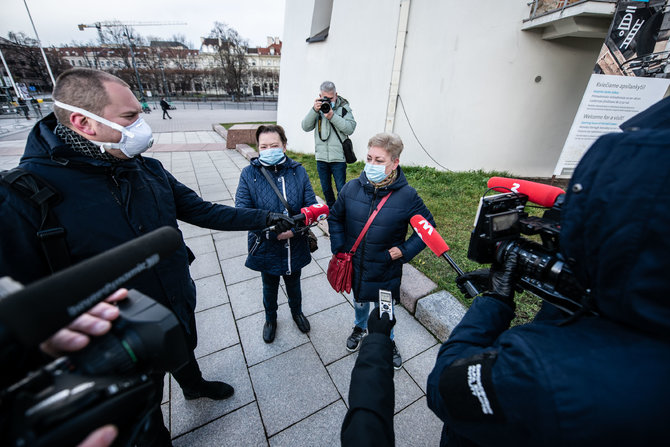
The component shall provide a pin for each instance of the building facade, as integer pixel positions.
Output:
(467, 85)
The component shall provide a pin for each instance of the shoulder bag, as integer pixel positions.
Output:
(339, 267)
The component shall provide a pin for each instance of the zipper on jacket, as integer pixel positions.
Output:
(288, 241)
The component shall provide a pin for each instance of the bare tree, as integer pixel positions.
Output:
(231, 49)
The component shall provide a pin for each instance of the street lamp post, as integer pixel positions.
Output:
(166, 92)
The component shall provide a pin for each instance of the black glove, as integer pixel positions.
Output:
(381, 325)
(498, 281)
(281, 222)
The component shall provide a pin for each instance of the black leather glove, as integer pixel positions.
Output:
(381, 325)
(498, 281)
(280, 221)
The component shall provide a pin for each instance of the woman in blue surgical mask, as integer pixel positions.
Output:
(275, 255)
(378, 259)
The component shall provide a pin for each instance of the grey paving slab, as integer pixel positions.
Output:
(216, 330)
(190, 231)
(210, 292)
(416, 425)
(317, 295)
(186, 177)
(420, 366)
(247, 297)
(209, 179)
(214, 195)
(330, 330)
(206, 264)
(227, 365)
(255, 349)
(406, 390)
(166, 389)
(320, 429)
(410, 336)
(340, 374)
(221, 235)
(287, 394)
(232, 246)
(234, 270)
(200, 244)
(165, 409)
(324, 249)
(242, 427)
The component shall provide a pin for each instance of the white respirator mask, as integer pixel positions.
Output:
(135, 138)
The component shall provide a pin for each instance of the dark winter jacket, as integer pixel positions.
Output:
(266, 253)
(373, 268)
(105, 205)
(599, 380)
(369, 420)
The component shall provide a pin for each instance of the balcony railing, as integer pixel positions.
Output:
(570, 18)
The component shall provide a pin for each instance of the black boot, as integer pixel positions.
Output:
(269, 331)
(301, 320)
(211, 390)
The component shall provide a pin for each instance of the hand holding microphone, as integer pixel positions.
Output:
(309, 215)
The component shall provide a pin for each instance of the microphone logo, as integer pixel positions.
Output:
(515, 187)
(426, 226)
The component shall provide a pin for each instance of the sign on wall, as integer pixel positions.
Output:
(631, 74)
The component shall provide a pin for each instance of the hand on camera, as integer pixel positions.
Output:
(498, 281)
(317, 104)
(102, 437)
(95, 322)
(377, 325)
(280, 222)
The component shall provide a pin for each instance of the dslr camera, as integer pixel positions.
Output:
(325, 104)
(501, 221)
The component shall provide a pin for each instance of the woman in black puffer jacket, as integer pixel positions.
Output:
(276, 255)
(378, 261)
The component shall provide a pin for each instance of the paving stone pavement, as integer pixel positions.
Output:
(293, 392)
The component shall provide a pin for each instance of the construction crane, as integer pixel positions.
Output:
(125, 25)
(110, 24)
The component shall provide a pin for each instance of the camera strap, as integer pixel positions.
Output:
(51, 234)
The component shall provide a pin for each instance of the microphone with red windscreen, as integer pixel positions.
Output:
(308, 215)
(543, 195)
(434, 241)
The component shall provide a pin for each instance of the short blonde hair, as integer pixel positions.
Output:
(84, 88)
(389, 142)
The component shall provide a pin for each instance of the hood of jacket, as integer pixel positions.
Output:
(615, 220)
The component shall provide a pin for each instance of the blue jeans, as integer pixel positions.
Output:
(271, 288)
(361, 314)
(338, 170)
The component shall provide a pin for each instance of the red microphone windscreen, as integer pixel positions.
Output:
(315, 213)
(543, 195)
(429, 235)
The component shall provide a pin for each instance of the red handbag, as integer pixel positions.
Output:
(339, 268)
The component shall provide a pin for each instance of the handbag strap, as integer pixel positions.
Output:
(369, 222)
(276, 190)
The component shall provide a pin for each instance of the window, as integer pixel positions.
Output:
(320, 20)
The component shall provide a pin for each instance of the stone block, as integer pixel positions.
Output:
(241, 134)
(440, 313)
(415, 285)
(222, 131)
(246, 151)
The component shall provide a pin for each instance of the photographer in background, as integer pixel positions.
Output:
(332, 121)
(369, 420)
(592, 378)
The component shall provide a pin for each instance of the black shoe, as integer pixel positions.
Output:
(210, 390)
(269, 331)
(301, 320)
(354, 340)
(397, 360)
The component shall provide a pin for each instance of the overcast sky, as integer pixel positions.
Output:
(56, 20)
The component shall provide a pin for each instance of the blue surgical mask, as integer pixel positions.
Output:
(271, 156)
(375, 173)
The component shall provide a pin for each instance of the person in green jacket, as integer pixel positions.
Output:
(332, 121)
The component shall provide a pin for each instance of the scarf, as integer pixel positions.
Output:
(82, 145)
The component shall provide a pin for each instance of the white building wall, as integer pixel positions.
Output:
(467, 84)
